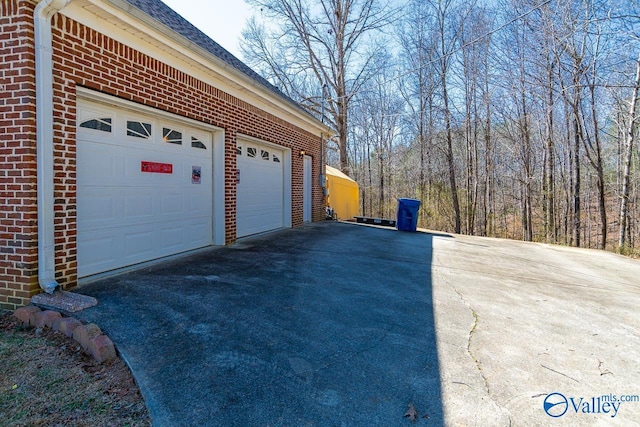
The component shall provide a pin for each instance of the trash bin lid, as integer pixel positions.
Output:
(409, 202)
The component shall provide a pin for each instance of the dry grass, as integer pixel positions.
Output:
(46, 380)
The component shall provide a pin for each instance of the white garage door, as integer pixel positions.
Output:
(144, 187)
(259, 188)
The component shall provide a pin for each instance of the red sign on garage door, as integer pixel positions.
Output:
(156, 167)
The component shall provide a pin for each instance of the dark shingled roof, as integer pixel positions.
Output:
(162, 13)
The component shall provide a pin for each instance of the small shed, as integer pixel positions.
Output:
(343, 194)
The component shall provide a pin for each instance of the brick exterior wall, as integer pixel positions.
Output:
(18, 210)
(84, 57)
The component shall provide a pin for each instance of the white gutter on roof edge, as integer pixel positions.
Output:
(44, 140)
(249, 83)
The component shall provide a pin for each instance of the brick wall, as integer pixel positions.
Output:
(84, 57)
(18, 216)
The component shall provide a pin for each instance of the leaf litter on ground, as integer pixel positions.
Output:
(46, 379)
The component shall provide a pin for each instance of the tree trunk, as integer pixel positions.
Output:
(450, 160)
(628, 148)
(602, 205)
(551, 233)
(341, 128)
(576, 182)
(488, 162)
(527, 218)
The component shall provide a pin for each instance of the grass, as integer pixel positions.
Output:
(628, 251)
(45, 379)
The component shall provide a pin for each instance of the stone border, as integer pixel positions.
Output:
(89, 336)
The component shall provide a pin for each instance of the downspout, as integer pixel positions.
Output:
(44, 140)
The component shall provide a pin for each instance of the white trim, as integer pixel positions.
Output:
(307, 188)
(218, 199)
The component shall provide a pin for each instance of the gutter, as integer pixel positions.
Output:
(244, 80)
(44, 140)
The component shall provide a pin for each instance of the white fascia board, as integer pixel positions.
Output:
(122, 22)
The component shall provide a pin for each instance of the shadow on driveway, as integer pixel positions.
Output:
(329, 324)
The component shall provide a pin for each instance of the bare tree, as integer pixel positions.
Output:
(310, 43)
(502, 116)
(418, 87)
(627, 153)
(447, 41)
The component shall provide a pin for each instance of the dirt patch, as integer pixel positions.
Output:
(46, 379)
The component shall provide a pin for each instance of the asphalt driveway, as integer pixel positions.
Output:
(340, 324)
(330, 324)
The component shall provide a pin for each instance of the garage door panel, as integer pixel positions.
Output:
(198, 205)
(101, 245)
(139, 243)
(171, 238)
(127, 216)
(96, 252)
(106, 208)
(260, 192)
(198, 231)
(171, 204)
(138, 205)
(101, 165)
(98, 207)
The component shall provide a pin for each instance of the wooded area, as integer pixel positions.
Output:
(506, 118)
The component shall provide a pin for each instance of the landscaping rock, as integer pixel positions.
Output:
(46, 318)
(85, 333)
(66, 325)
(23, 314)
(102, 348)
(36, 319)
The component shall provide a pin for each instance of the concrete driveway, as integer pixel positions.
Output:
(338, 324)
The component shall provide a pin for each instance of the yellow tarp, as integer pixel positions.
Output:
(343, 194)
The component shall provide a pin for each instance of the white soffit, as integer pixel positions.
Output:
(132, 27)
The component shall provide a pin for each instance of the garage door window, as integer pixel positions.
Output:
(102, 124)
(172, 136)
(261, 192)
(136, 193)
(196, 143)
(138, 129)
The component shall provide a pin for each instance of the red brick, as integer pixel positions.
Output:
(85, 333)
(66, 325)
(24, 313)
(44, 318)
(102, 348)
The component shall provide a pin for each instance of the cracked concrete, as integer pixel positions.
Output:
(340, 324)
(470, 338)
(547, 319)
(467, 400)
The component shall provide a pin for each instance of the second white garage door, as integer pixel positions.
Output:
(260, 182)
(144, 187)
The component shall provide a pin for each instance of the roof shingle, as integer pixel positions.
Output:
(163, 14)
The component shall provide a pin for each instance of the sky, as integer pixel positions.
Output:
(222, 20)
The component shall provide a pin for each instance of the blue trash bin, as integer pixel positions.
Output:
(407, 219)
